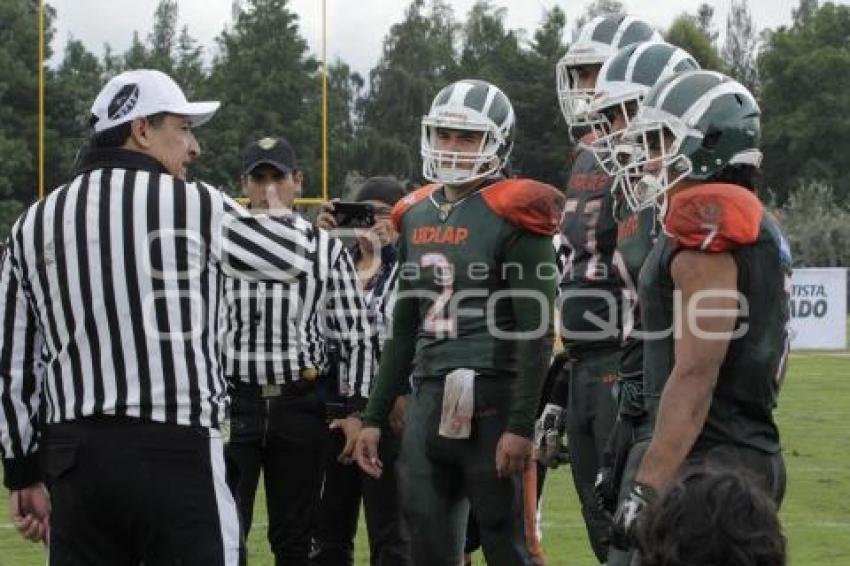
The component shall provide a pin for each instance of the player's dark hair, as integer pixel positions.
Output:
(117, 135)
(744, 175)
(711, 517)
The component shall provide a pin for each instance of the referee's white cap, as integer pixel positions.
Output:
(143, 92)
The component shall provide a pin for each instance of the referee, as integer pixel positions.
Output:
(111, 390)
(279, 340)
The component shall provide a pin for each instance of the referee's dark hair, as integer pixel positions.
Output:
(118, 135)
(712, 516)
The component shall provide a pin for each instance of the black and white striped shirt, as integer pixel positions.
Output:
(380, 299)
(275, 331)
(110, 291)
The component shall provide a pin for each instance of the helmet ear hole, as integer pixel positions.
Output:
(711, 139)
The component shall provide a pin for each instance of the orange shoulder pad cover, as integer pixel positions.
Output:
(408, 202)
(714, 217)
(533, 206)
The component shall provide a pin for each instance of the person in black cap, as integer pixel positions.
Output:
(345, 484)
(271, 161)
(279, 340)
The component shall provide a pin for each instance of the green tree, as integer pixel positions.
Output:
(804, 11)
(18, 106)
(69, 94)
(598, 8)
(541, 140)
(269, 86)
(805, 72)
(189, 64)
(490, 51)
(741, 46)
(343, 90)
(821, 243)
(705, 22)
(137, 56)
(163, 38)
(685, 32)
(418, 58)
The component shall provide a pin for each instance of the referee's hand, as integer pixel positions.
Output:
(30, 511)
(366, 451)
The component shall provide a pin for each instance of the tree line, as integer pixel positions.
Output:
(270, 84)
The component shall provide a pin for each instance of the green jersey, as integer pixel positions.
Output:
(452, 257)
(636, 235)
(590, 288)
(724, 218)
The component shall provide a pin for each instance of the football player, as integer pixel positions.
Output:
(590, 287)
(472, 324)
(622, 84)
(713, 291)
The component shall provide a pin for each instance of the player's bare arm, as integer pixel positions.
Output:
(699, 353)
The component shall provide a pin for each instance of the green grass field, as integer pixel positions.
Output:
(816, 514)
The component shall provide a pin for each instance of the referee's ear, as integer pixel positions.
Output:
(139, 134)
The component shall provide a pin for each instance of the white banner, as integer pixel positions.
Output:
(819, 309)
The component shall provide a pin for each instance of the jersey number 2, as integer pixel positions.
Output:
(436, 320)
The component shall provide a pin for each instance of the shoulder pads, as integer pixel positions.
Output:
(533, 206)
(409, 201)
(714, 217)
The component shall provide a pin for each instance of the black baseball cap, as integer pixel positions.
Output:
(276, 152)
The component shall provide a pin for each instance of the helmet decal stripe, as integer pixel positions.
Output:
(685, 64)
(607, 30)
(625, 22)
(476, 97)
(618, 68)
(461, 88)
(499, 109)
(662, 95)
(680, 60)
(637, 31)
(636, 51)
(650, 63)
(444, 96)
(702, 105)
(700, 82)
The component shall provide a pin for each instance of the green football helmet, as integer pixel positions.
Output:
(623, 82)
(598, 40)
(690, 126)
(472, 105)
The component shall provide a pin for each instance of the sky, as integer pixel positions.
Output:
(355, 28)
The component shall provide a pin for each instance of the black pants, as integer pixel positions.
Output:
(616, 556)
(127, 492)
(590, 417)
(766, 470)
(284, 437)
(389, 541)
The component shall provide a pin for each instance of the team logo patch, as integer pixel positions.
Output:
(267, 143)
(710, 212)
(123, 102)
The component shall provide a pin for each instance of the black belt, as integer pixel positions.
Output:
(305, 383)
